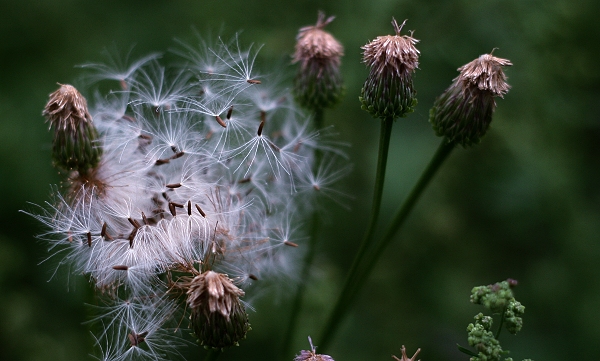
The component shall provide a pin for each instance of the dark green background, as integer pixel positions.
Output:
(525, 203)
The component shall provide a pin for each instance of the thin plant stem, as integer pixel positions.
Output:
(501, 324)
(360, 272)
(442, 153)
(308, 259)
(342, 302)
(212, 355)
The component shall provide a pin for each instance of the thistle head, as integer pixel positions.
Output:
(74, 146)
(464, 111)
(318, 84)
(218, 317)
(388, 91)
(312, 355)
(405, 356)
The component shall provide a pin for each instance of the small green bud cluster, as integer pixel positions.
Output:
(512, 316)
(481, 337)
(494, 297)
(498, 298)
(388, 91)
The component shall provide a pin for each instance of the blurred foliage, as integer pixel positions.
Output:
(524, 204)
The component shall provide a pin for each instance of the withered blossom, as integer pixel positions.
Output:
(318, 84)
(218, 318)
(388, 91)
(405, 357)
(464, 111)
(74, 144)
(312, 355)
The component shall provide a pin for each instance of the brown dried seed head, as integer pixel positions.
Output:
(314, 43)
(66, 108)
(392, 52)
(484, 73)
(463, 112)
(312, 355)
(214, 292)
(218, 317)
(405, 357)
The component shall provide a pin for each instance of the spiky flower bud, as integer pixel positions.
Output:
(318, 84)
(388, 91)
(405, 356)
(218, 317)
(312, 355)
(464, 111)
(74, 145)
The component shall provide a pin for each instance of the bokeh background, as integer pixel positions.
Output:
(524, 204)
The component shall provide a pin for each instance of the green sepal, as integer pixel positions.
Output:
(317, 87)
(388, 95)
(76, 148)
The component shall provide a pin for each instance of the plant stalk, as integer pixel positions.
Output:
(342, 303)
(308, 259)
(212, 355)
(365, 262)
(441, 154)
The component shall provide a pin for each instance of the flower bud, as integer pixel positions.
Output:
(218, 318)
(312, 355)
(464, 111)
(481, 337)
(405, 356)
(388, 91)
(75, 136)
(318, 84)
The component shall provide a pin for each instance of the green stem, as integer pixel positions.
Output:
(438, 159)
(359, 275)
(501, 324)
(212, 355)
(308, 260)
(342, 303)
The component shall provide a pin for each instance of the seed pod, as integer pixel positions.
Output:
(312, 355)
(463, 113)
(318, 84)
(218, 318)
(75, 144)
(388, 91)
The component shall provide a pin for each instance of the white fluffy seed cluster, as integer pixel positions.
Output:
(206, 166)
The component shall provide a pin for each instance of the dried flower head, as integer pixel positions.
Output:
(388, 91)
(218, 317)
(405, 357)
(74, 145)
(312, 355)
(464, 111)
(318, 83)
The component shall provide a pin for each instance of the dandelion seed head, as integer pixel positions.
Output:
(194, 195)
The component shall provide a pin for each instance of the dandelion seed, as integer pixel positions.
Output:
(200, 211)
